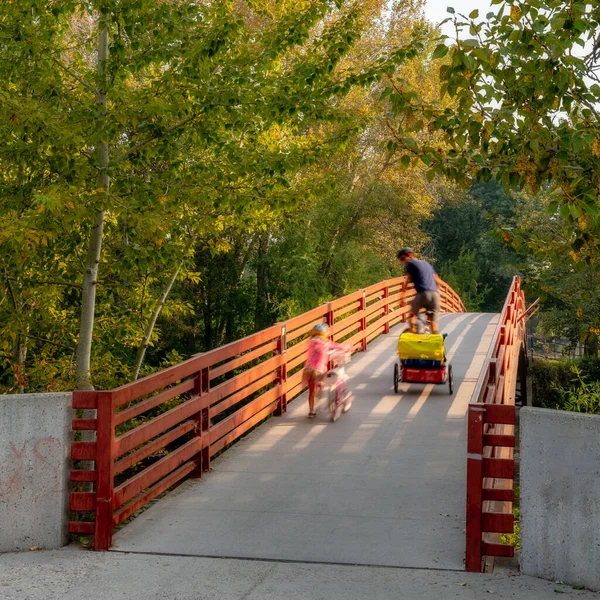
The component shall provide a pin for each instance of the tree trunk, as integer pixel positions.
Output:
(90, 278)
(141, 353)
(261, 311)
(591, 345)
(19, 357)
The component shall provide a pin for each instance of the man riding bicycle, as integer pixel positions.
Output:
(422, 275)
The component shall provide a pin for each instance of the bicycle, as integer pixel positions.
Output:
(335, 386)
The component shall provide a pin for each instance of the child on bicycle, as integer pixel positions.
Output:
(319, 349)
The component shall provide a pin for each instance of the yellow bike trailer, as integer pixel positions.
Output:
(422, 360)
(421, 346)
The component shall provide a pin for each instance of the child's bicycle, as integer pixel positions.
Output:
(335, 386)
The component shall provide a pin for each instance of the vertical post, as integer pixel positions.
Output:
(525, 399)
(363, 320)
(282, 378)
(403, 299)
(386, 309)
(329, 317)
(104, 471)
(474, 487)
(197, 393)
(205, 458)
(330, 320)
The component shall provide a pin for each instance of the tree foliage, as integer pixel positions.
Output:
(525, 91)
(180, 143)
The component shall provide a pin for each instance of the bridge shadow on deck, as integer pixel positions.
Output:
(385, 485)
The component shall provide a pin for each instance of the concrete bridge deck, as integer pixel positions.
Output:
(384, 486)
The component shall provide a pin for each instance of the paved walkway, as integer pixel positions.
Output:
(383, 486)
(74, 574)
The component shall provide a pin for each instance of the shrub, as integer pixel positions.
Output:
(551, 378)
(582, 396)
(547, 376)
(590, 368)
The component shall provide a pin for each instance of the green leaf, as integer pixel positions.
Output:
(440, 51)
(411, 144)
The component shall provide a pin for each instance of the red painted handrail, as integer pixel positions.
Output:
(491, 438)
(154, 432)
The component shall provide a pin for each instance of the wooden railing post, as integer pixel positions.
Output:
(205, 433)
(386, 309)
(474, 486)
(363, 321)
(202, 421)
(197, 391)
(330, 320)
(282, 378)
(403, 298)
(105, 471)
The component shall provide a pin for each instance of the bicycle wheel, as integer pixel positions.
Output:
(331, 401)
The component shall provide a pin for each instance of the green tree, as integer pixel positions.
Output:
(524, 91)
(128, 145)
(465, 247)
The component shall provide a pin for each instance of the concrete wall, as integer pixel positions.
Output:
(560, 496)
(35, 438)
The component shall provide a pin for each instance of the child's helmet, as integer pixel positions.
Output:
(320, 329)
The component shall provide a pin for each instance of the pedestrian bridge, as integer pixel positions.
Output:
(384, 485)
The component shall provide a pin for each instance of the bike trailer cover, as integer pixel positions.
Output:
(425, 346)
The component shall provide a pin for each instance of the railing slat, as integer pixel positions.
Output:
(154, 401)
(507, 441)
(82, 527)
(500, 550)
(157, 444)
(500, 414)
(131, 507)
(500, 468)
(83, 451)
(492, 522)
(131, 488)
(82, 501)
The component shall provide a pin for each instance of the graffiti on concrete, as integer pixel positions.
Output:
(30, 469)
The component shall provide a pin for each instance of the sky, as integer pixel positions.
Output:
(435, 10)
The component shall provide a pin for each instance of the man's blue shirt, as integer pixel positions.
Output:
(422, 275)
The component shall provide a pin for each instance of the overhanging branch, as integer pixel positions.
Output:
(151, 138)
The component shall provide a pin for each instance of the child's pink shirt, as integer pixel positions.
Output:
(318, 353)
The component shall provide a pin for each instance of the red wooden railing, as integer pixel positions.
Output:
(152, 433)
(491, 438)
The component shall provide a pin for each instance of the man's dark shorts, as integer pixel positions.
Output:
(427, 300)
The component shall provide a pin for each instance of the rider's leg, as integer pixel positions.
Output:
(435, 311)
(415, 307)
(412, 323)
